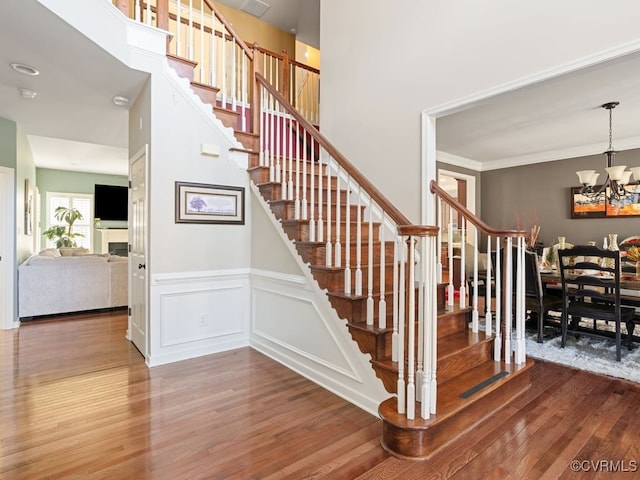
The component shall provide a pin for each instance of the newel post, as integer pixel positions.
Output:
(284, 77)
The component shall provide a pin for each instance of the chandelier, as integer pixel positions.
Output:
(617, 188)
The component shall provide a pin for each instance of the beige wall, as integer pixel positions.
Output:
(543, 189)
(383, 65)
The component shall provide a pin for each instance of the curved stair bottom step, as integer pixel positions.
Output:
(463, 402)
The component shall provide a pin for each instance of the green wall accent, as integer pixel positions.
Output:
(8, 143)
(65, 181)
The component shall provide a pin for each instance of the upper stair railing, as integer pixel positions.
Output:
(297, 82)
(502, 278)
(222, 60)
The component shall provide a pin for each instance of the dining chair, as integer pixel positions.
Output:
(537, 303)
(591, 290)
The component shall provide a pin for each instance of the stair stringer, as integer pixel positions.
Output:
(306, 345)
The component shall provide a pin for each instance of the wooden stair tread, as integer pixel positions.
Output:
(455, 343)
(449, 400)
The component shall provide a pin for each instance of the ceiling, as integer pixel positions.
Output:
(557, 118)
(72, 123)
(301, 17)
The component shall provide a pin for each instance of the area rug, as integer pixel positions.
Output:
(596, 355)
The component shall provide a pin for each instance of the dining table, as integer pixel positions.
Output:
(627, 281)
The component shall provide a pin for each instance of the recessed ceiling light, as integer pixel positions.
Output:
(26, 93)
(25, 69)
(121, 101)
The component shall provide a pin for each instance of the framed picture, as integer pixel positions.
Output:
(582, 207)
(203, 203)
(28, 208)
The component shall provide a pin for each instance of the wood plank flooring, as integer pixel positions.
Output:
(77, 402)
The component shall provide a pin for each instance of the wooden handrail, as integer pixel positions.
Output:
(373, 192)
(280, 56)
(470, 217)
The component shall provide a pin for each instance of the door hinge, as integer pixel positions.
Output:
(129, 183)
(129, 309)
(129, 247)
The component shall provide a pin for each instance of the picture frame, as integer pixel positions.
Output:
(205, 203)
(28, 207)
(581, 207)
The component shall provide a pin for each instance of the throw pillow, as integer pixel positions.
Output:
(73, 251)
(50, 252)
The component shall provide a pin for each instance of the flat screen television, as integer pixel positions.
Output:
(110, 202)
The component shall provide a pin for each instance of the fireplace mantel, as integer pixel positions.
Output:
(105, 236)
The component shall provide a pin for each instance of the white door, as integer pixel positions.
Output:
(7, 248)
(138, 321)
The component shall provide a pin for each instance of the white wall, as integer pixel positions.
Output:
(383, 63)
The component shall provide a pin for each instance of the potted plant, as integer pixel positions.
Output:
(63, 234)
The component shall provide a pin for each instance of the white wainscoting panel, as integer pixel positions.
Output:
(293, 323)
(198, 313)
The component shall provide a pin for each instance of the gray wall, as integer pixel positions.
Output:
(543, 190)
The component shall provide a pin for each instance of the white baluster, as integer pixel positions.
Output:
(370, 265)
(329, 247)
(520, 346)
(396, 295)
(474, 315)
(213, 46)
(497, 344)
(439, 242)
(488, 315)
(424, 319)
(263, 127)
(338, 243)
(411, 320)
(202, 34)
(281, 176)
(190, 31)
(508, 299)
(450, 288)
(245, 93)
(312, 215)
(234, 81)
(400, 389)
(320, 221)
(223, 72)
(382, 303)
(296, 208)
(304, 209)
(359, 244)
(463, 274)
(178, 29)
(347, 252)
(289, 136)
(420, 281)
(433, 336)
(272, 166)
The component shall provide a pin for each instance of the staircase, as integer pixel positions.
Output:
(356, 249)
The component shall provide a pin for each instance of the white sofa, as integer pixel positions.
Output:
(51, 283)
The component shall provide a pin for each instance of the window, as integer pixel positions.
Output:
(84, 203)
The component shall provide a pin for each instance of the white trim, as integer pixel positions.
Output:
(8, 317)
(430, 115)
(467, 102)
(458, 161)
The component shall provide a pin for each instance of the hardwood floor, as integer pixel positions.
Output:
(77, 401)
